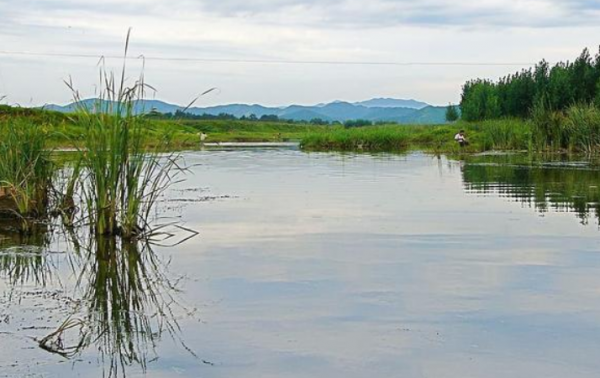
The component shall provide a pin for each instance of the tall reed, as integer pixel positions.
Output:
(583, 126)
(575, 129)
(505, 134)
(123, 177)
(548, 132)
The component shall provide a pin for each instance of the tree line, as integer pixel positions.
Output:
(555, 87)
(183, 115)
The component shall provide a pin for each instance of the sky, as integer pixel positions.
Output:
(281, 52)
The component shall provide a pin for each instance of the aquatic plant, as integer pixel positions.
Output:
(123, 175)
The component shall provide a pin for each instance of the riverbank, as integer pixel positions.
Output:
(63, 130)
(575, 130)
(506, 135)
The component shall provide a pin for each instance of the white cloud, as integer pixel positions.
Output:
(346, 30)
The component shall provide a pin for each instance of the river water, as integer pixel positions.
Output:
(324, 265)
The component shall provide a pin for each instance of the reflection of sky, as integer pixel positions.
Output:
(383, 266)
(323, 266)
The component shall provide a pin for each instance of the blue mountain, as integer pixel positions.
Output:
(376, 110)
(392, 103)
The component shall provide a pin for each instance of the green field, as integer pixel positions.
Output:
(64, 130)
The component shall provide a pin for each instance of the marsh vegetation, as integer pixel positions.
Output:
(99, 197)
(116, 172)
(99, 202)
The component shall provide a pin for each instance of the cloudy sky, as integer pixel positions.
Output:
(264, 51)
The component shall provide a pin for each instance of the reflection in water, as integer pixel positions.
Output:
(125, 305)
(551, 186)
(22, 256)
(327, 266)
(128, 299)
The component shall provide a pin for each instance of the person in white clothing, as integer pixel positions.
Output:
(461, 139)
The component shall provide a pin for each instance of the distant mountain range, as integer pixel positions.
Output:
(376, 110)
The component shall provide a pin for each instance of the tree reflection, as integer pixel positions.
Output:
(560, 186)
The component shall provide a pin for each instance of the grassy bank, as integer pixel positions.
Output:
(64, 130)
(240, 131)
(576, 130)
(488, 135)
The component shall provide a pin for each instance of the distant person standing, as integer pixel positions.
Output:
(461, 139)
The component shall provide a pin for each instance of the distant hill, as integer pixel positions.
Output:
(427, 115)
(375, 110)
(392, 103)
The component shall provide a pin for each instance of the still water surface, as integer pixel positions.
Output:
(326, 265)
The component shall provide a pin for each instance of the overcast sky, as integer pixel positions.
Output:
(433, 31)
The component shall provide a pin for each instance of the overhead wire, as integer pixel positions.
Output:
(260, 61)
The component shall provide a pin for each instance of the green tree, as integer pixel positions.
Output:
(452, 113)
(560, 86)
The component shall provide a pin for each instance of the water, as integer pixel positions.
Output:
(327, 265)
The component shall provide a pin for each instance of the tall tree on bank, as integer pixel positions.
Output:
(452, 113)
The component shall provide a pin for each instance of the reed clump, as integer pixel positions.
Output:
(583, 128)
(122, 176)
(505, 135)
(576, 129)
(120, 169)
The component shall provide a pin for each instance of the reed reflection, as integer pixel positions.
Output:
(124, 301)
(23, 256)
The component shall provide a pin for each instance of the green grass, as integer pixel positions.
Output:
(375, 138)
(66, 130)
(246, 131)
(509, 134)
(489, 135)
(25, 170)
